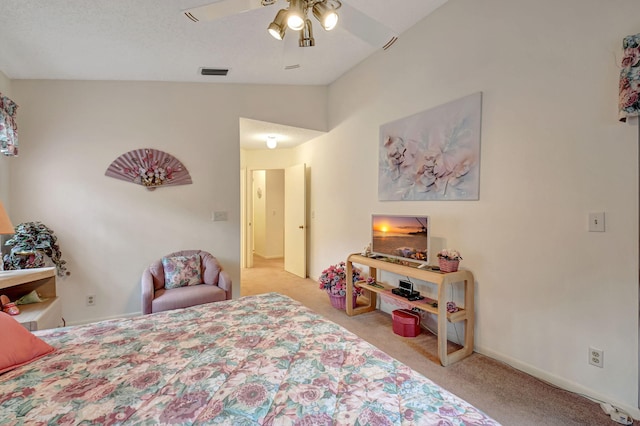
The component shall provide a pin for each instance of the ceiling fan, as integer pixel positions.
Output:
(295, 17)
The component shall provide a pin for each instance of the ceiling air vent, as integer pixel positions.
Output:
(390, 43)
(190, 16)
(214, 71)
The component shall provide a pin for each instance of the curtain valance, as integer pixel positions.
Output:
(8, 126)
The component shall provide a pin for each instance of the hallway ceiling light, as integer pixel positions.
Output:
(272, 142)
(296, 19)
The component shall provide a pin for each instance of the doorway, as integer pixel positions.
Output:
(273, 205)
(254, 155)
(267, 215)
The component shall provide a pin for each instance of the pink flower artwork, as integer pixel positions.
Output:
(432, 155)
(629, 97)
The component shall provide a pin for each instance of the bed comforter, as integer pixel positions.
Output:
(256, 360)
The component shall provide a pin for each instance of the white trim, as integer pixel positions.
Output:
(558, 381)
(90, 321)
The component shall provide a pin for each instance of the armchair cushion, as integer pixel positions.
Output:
(180, 271)
(183, 297)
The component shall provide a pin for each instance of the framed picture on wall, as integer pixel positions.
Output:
(432, 155)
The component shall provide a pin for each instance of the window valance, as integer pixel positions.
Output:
(8, 127)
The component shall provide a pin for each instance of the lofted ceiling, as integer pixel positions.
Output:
(152, 40)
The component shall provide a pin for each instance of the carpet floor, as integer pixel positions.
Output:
(508, 395)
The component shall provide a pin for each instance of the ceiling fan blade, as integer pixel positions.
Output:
(220, 9)
(366, 28)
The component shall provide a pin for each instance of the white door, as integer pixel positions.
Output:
(246, 215)
(295, 220)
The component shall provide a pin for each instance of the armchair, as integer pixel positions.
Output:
(215, 286)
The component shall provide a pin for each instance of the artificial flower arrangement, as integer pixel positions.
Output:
(449, 254)
(448, 259)
(29, 244)
(333, 280)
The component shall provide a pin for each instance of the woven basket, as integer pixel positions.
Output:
(339, 302)
(448, 265)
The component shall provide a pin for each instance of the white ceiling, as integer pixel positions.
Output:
(152, 40)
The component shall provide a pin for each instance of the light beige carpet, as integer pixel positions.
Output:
(504, 393)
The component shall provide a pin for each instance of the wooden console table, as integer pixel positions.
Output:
(34, 316)
(440, 279)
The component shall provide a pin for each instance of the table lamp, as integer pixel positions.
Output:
(6, 228)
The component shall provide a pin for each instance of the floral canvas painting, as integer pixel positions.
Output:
(432, 155)
(629, 98)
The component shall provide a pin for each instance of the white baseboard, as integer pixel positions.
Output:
(277, 256)
(558, 381)
(89, 321)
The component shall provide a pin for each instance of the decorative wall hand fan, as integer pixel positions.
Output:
(150, 168)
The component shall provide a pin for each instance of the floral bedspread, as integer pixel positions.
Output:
(256, 360)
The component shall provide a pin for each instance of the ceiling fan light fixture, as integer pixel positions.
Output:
(295, 17)
(306, 35)
(277, 28)
(327, 16)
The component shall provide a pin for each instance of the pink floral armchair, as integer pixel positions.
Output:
(198, 278)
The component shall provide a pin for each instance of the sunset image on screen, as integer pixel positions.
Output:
(400, 236)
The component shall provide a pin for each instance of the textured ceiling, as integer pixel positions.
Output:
(152, 40)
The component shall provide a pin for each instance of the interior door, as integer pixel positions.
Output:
(295, 220)
(246, 216)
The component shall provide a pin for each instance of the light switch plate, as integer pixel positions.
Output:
(219, 216)
(596, 222)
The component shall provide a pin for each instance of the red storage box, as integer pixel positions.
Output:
(406, 323)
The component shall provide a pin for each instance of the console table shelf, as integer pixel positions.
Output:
(440, 280)
(34, 316)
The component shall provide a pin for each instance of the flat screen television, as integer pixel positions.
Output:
(401, 237)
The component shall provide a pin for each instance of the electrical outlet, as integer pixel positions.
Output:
(596, 357)
(91, 300)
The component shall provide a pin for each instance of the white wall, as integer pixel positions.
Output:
(267, 158)
(552, 151)
(274, 214)
(259, 212)
(110, 230)
(268, 213)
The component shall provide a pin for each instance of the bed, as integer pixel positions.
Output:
(263, 359)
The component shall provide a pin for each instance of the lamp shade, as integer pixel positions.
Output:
(6, 227)
(295, 16)
(327, 16)
(278, 27)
